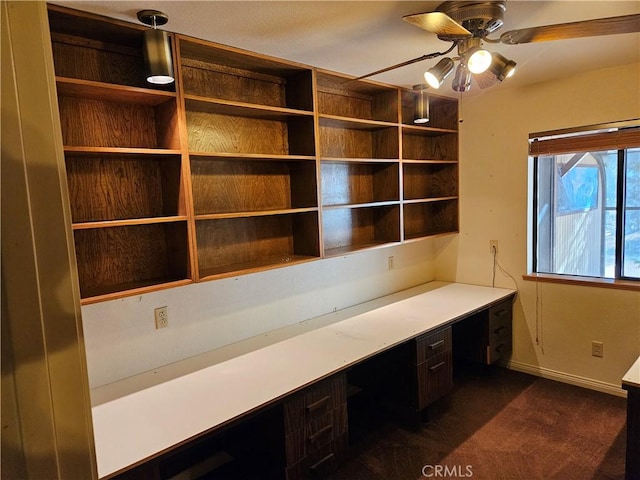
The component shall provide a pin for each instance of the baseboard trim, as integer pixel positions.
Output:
(567, 378)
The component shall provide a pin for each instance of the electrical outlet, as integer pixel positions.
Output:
(493, 247)
(161, 315)
(597, 349)
(390, 262)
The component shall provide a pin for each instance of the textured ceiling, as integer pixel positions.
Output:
(358, 37)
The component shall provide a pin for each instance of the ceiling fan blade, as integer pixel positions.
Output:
(393, 67)
(438, 23)
(562, 31)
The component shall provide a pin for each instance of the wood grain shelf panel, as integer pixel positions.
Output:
(227, 185)
(240, 109)
(353, 123)
(425, 219)
(227, 244)
(428, 180)
(115, 259)
(72, 152)
(73, 87)
(341, 96)
(251, 157)
(355, 143)
(254, 213)
(96, 123)
(119, 187)
(426, 200)
(128, 222)
(351, 229)
(425, 131)
(440, 147)
(112, 292)
(226, 73)
(359, 183)
(443, 112)
(227, 134)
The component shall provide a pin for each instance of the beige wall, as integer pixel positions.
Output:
(493, 189)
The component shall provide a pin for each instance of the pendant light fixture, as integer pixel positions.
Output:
(421, 114)
(157, 48)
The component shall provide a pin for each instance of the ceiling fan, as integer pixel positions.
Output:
(467, 25)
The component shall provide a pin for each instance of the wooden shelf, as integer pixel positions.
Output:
(353, 123)
(425, 131)
(74, 151)
(240, 109)
(73, 87)
(128, 222)
(112, 292)
(254, 213)
(265, 263)
(250, 157)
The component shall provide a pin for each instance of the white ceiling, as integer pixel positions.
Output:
(357, 37)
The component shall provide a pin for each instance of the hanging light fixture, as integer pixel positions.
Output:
(156, 48)
(462, 80)
(502, 67)
(421, 114)
(436, 75)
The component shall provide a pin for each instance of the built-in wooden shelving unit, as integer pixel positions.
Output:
(245, 163)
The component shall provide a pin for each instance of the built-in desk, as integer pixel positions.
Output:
(142, 417)
(631, 383)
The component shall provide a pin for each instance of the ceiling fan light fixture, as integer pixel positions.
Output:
(156, 48)
(502, 67)
(421, 114)
(478, 59)
(462, 80)
(436, 74)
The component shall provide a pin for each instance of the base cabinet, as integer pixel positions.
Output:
(433, 367)
(315, 429)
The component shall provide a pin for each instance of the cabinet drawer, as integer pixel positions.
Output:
(500, 314)
(315, 434)
(432, 344)
(321, 462)
(498, 351)
(314, 402)
(434, 379)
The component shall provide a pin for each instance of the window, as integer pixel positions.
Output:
(586, 202)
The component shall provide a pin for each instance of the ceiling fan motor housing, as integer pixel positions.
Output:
(480, 18)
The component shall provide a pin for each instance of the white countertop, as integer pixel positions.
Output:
(140, 417)
(632, 377)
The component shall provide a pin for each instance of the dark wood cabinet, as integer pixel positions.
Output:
(486, 337)
(433, 367)
(316, 429)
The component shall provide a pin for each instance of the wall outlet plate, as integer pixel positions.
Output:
(161, 315)
(597, 349)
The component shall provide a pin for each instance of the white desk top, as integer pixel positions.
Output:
(632, 377)
(137, 424)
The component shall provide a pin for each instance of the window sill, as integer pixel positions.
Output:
(583, 281)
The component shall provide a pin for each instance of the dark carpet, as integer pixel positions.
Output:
(497, 424)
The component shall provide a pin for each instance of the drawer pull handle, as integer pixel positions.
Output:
(319, 463)
(499, 329)
(501, 312)
(319, 404)
(433, 346)
(436, 366)
(320, 433)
